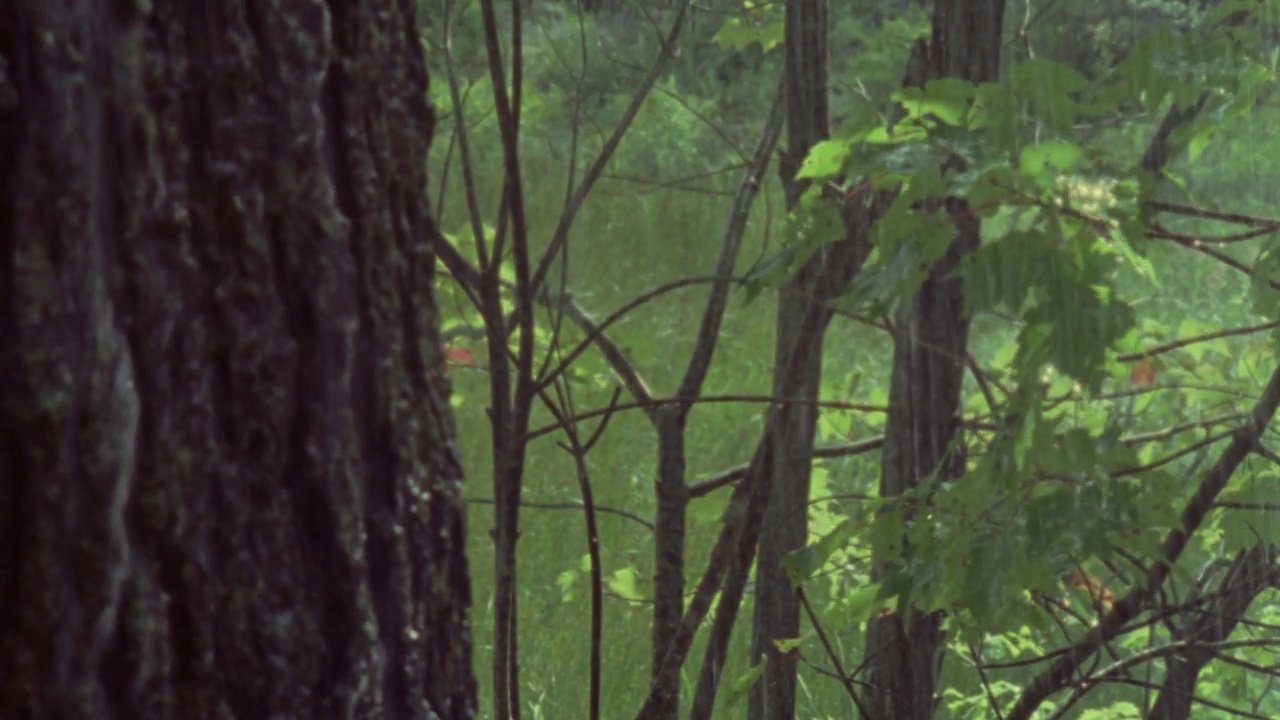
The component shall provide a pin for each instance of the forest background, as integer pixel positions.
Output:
(1069, 244)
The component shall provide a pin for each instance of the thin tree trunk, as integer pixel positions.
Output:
(668, 543)
(904, 653)
(228, 485)
(785, 526)
(671, 421)
(804, 302)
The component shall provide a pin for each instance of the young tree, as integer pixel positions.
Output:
(930, 342)
(993, 492)
(805, 310)
(228, 483)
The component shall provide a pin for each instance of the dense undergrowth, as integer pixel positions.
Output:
(658, 215)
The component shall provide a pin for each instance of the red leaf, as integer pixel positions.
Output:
(1144, 373)
(460, 356)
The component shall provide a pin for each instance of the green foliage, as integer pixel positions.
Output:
(741, 685)
(1075, 450)
(1118, 711)
(1253, 519)
(759, 24)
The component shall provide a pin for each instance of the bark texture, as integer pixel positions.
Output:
(797, 375)
(904, 652)
(805, 310)
(228, 487)
(669, 548)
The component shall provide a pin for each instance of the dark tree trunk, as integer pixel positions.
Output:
(669, 549)
(797, 375)
(228, 486)
(805, 310)
(904, 653)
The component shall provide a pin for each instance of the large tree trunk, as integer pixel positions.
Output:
(904, 653)
(228, 487)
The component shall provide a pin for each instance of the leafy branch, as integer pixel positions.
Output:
(1243, 442)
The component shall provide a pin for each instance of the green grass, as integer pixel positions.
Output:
(623, 244)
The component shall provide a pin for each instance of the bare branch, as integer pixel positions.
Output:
(832, 655)
(734, 474)
(667, 402)
(563, 302)
(1206, 214)
(571, 209)
(1208, 337)
(713, 315)
(570, 505)
(617, 315)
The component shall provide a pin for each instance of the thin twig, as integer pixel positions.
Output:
(734, 474)
(1196, 339)
(730, 245)
(571, 209)
(832, 655)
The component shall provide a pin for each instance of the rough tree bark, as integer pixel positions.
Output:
(785, 527)
(804, 314)
(228, 486)
(904, 654)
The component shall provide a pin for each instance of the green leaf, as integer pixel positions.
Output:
(709, 508)
(771, 270)
(1117, 711)
(1001, 274)
(908, 243)
(762, 24)
(566, 581)
(825, 160)
(1243, 528)
(741, 684)
(1266, 299)
(886, 535)
(1051, 156)
(983, 577)
(859, 605)
(1227, 11)
(946, 100)
(1081, 325)
(804, 563)
(1048, 87)
(625, 582)
(786, 645)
